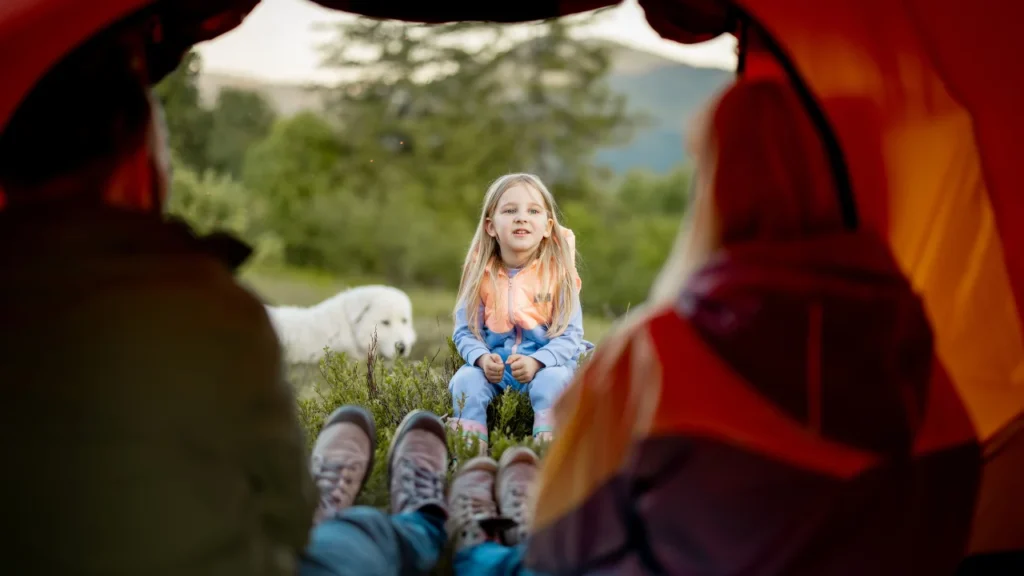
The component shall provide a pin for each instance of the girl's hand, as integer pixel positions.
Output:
(492, 366)
(524, 368)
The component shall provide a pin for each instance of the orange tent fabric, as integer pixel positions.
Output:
(926, 118)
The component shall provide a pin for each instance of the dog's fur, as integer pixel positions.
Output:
(346, 322)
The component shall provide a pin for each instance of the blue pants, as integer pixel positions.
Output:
(363, 541)
(491, 559)
(544, 390)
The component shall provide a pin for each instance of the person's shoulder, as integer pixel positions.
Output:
(622, 339)
(639, 319)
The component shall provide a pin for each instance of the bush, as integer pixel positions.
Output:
(211, 202)
(391, 392)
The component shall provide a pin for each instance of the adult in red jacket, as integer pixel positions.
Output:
(779, 409)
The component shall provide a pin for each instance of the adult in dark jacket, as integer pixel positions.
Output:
(146, 425)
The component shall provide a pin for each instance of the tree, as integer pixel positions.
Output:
(422, 102)
(650, 194)
(239, 119)
(188, 123)
(212, 202)
(287, 171)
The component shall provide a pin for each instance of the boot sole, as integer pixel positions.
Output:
(518, 454)
(417, 420)
(364, 420)
(485, 463)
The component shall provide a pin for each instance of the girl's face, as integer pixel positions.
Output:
(519, 222)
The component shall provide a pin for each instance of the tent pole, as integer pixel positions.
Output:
(829, 139)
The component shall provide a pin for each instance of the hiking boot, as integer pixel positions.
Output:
(418, 465)
(473, 510)
(342, 459)
(517, 473)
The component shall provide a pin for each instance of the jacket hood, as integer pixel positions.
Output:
(827, 328)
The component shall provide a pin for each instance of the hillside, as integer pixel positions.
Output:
(667, 91)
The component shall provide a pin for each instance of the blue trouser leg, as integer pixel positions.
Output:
(492, 559)
(363, 541)
(548, 384)
(470, 384)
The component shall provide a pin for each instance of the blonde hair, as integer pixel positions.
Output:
(556, 254)
(762, 175)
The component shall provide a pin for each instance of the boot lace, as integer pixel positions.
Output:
(418, 486)
(337, 475)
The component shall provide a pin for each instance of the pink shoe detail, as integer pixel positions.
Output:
(543, 421)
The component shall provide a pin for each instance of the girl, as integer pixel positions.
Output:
(518, 322)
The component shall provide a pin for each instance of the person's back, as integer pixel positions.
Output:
(147, 425)
(782, 413)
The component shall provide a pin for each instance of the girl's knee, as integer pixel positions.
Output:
(548, 384)
(469, 382)
(555, 376)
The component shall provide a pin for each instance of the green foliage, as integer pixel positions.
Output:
(386, 182)
(188, 123)
(238, 120)
(624, 238)
(214, 202)
(217, 138)
(391, 392)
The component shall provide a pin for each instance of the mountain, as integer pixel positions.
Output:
(665, 91)
(668, 93)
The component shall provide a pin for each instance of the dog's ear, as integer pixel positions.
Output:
(356, 307)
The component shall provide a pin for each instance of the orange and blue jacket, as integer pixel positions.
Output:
(786, 415)
(516, 312)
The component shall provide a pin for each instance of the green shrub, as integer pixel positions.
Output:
(390, 392)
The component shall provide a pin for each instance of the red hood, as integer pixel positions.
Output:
(828, 329)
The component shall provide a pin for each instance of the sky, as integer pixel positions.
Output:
(277, 42)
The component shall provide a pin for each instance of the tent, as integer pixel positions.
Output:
(916, 100)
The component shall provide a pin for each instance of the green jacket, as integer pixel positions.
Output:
(146, 424)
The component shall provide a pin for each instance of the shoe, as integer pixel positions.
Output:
(342, 459)
(517, 473)
(473, 510)
(418, 465)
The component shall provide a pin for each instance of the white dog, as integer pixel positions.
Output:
(346, 322)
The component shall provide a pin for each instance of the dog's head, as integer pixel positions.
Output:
(385, 311)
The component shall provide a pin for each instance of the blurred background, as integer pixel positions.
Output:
(352, 151)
